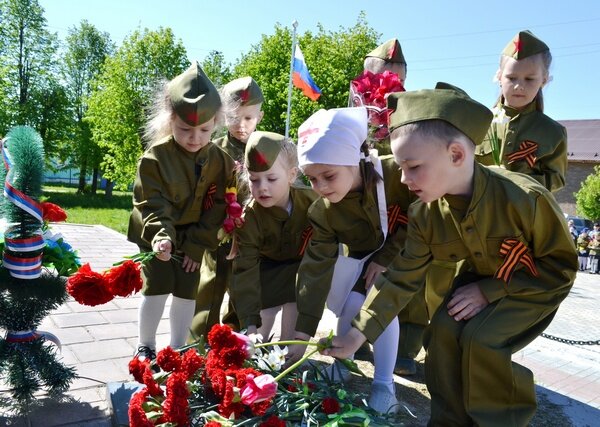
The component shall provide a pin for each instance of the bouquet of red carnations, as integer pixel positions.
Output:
(237, 381)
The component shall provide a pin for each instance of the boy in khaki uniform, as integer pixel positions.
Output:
(272, 241)
(178, 202)
(518, 262)
(242, 100)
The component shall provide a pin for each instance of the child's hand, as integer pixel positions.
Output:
(189, 265)
(344, 346)
(466, 302)
(164, 248)
(372, 273)
(295, 352)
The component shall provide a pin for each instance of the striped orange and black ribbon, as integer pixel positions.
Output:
(306, 236)
(526, 151)
(209, 198)
(395, 218)
(514, 251)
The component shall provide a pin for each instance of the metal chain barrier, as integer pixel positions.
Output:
(570, 342)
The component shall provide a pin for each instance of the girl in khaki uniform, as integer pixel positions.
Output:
(529, 141)
(515, 262)
(333, 154)
(178, 202)
(272, 241)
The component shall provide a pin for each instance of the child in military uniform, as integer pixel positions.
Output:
(529, 141)
(413, 317)
(514, 257)
(353, 210)
(178, 202)
(583, 241)
(242, 105)
(272, 241)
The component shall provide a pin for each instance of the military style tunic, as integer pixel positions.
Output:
(215, 271)
(511, 239)
(546, 161)
(179, 196)
(270, 247)
(355, 222)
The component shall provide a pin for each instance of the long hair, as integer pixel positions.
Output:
(370, 176)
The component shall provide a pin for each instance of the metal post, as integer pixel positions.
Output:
(289, 104)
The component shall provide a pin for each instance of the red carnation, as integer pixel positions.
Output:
(228, 406)
(230, 197)
(88, 287)
(191, 362)
(151, 385)
(137, 368)
(220, 337)
(137, 415)
(124, 279)
(272, 421)
(53, 213)
(213, 424)
(330, 405)
(168, 359)
(175, 406)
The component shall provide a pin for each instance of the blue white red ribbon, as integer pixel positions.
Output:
(23, 268)
(14, 337)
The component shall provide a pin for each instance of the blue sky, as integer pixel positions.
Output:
(458, 42)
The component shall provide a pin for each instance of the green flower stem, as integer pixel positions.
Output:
(295, 365)
(290, 342)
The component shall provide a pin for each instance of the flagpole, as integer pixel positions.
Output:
(289, 104)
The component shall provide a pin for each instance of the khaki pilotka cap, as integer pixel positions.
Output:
(244, 90)
(524, 44)
(390, 51)
(262, 150)
(193, 96)
(445, 102)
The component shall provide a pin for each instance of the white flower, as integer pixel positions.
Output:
(273, 360)
(500, 116)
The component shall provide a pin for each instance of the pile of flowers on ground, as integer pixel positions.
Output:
(238, 382)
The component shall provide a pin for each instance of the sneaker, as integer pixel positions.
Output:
(382, 401)
(146, 353)
(405, 367)
(337, 372)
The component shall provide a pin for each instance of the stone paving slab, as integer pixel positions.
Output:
(99, 342)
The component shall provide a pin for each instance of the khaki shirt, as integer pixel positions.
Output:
(503, 205)
(550, 165)
(232, 146)
(180, 196)
(355, 222)
(268, 234)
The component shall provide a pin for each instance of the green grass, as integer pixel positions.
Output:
(92, 209)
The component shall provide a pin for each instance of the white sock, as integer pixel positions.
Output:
(149, 314)
(181, 315)
(349, 311)
(385, 350)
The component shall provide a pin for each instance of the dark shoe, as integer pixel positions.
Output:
(405, 367)
(146, 353)
(364, 352)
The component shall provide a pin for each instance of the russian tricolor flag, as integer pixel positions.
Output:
(301, 78)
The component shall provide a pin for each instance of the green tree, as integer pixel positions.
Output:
(215, 67)
(30, 92)
(86, 51)
(333, 58)
(588, 196)
(126, 85)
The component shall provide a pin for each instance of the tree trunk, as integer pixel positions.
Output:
(108, 191)
(95, 181)
(82, 173)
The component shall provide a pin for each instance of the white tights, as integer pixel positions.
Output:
(385, 348)
(150, 313)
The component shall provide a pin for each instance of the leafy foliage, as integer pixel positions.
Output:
(588, 197)
(121, 93)
(334, 58)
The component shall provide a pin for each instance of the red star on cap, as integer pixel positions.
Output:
(260, 159)
(391, 51)
(518, 45)
(192, 117)
(244, 95)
